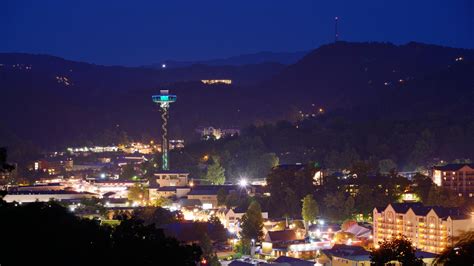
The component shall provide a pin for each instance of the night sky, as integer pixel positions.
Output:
(127, 32)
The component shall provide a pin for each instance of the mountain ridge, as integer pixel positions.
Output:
(348, 79)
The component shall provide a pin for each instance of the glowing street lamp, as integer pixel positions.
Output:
(243, 182)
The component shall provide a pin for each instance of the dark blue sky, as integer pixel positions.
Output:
(134, 32)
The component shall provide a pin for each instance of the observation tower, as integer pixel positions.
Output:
(164, 99)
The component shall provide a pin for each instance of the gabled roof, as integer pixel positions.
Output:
(281, 236)
(202, 192)
(240, 263)
(240, 209)
(359, 231)
(356, 253)
(294, 261)
(211, 190)
(189, 202)
(421, 210)
(453, 166)
(404, 207)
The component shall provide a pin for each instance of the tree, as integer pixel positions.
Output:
(423, 148)
(215, 173)
(137, 193)
(218, 232)
(287, 186)
(339, 206)
(162, 201)
(243, 246)
(154, 215)
(461, 253)
(252, 222)
(386, 166)
(400, 249)
(422, 186)
(310, 210)
(4, 166)
(129, 172)
(221, 196)
(349, 207)
(129, 243)
(440, 196)
(208, 252)
(232, 200)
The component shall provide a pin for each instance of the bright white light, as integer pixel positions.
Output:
(102, 175)
(349, 241)
(243, 182)
(321, 222)
(318, 232)
(189, 216)
(163, 65)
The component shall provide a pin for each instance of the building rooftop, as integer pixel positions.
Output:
(47, 192)
(356, 253)
(453, 166)
(211, 190)
(294, 261)
(176, 172)
(281, 236)
(171, 188)
(189, 202)
(422, 210)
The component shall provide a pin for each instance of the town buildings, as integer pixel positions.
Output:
(230, 218)
(171, 178)
(431, 229)
(343, 255)
(217, 133)
(25, 196)
(457, 177)
(289, 242)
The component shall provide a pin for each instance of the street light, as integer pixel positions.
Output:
(243, 182)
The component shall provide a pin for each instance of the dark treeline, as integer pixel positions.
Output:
(335, 142)
(353, 196)
(49, 234)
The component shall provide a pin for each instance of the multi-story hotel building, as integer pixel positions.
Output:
(457, 177)
(430, 229)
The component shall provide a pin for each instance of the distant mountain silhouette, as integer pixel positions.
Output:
(50, 100)
(285, 58)
(348, 74)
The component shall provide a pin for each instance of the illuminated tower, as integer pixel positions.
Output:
(164, 99)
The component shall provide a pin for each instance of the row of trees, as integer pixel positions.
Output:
(340, 197)
(227, 159)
